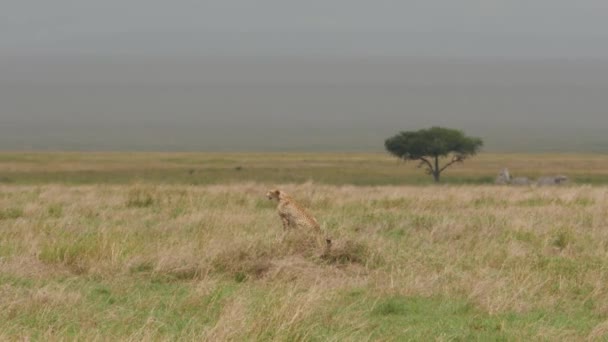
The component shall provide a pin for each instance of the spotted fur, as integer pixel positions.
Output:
(293, 216)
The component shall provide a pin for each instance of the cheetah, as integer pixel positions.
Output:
(292, 214)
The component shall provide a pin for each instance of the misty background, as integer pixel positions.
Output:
(331, 75)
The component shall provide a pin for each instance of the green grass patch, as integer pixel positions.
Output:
(116, 309)
(431, 318)
(10, 213)
(55, 210)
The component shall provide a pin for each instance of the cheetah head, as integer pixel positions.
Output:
(273, 194)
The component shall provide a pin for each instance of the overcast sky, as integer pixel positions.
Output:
(525, 75)
(420, 28)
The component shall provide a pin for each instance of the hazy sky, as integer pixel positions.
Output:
(449, 28)
(525, 75)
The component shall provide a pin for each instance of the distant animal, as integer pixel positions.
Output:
(504, 177)
(552, 180)
(292, 214)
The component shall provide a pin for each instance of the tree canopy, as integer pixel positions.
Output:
(428, 145)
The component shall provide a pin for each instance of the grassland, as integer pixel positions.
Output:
(280, 168)
(129, 257)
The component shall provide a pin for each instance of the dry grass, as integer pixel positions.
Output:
(137, 262)
(273, 168)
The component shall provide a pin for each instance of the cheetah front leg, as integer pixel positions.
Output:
(285, 221)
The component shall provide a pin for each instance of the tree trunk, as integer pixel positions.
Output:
(436, 170)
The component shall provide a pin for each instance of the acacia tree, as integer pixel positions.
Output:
(429, 145)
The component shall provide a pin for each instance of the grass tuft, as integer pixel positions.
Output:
(55, 210)
(562, 239)
(140, 198)
(10, 213)
(243, 262)
(348, 252)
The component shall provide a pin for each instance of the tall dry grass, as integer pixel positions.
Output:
(148, 262)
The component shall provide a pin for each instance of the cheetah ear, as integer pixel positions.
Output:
(277, 192)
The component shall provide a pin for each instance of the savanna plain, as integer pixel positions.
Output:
(185, 246)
